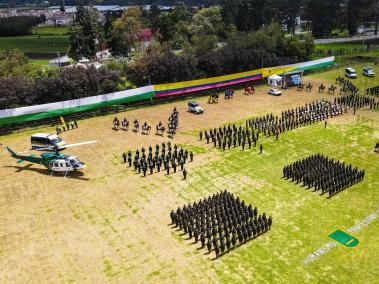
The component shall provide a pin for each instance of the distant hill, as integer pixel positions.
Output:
(7, 3)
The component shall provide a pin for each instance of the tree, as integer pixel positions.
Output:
(353, 15)
(85, 33)
(324, 15)
(16, 64)
(14, 91)
(173, 24)
(164, 68)
(207, 21)
(206, 27)
(229, 11)
(19, 25)
(253, 14)
(61, 7)
(125, 31)
(286, 12)
(155, 11)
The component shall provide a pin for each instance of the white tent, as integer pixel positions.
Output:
(274, 80)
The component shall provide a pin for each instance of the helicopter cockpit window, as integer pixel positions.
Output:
(73, 162)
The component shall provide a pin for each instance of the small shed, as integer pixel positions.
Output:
(274, 80)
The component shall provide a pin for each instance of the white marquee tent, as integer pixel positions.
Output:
(274, 80)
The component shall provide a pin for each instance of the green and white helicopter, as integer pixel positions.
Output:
(54, 161)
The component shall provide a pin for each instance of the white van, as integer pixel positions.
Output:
(368, 71)
(350, 73)
(48, 142)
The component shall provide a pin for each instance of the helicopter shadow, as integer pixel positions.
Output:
(28, 167)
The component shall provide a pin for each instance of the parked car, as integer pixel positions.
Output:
(368, 71)
(195, 107)
(274, 92)
(350, 73)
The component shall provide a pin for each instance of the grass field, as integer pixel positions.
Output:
(36, 43)
(111, 225)
(43, 40)
(357, 62)
(39, 62)
(49, 30)
(338, 46)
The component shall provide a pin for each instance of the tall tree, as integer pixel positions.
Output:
(125, 32)
(323, 15)
(206, 27)
(85, 33)
(154, 13)
(354, 15)
(286, 12)
(171, 22)
(61, 6)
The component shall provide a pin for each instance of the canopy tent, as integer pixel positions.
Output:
(274, 80)
(292, 78)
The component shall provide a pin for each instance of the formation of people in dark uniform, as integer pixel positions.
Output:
(357, 101)
(321, 172)
(373, 91)
(220, 222)
(351, 97)
(347, 86)
(165, 158)
(270, 125)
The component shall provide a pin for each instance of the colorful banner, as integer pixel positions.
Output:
(23, 114)
(181, 88)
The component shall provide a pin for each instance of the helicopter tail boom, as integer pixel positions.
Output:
(13, 154)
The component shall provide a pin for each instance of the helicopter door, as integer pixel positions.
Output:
(60, 166)
(55, 166)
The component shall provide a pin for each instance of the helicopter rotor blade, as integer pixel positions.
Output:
(45, 149)
(77, 144)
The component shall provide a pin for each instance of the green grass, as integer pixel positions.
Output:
(357, 62)
(61, 30)
(36, 43)
(338, 46)
(39, 62)
(302, 220)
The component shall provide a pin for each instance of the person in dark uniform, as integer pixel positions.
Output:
(130, 161)
(151, 167)
(184, 174)
(124, 157)
(144, 169)
(260, 149)
(191, 156)
(325, 124)
(139, 166)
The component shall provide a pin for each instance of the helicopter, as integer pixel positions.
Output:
(54, 161)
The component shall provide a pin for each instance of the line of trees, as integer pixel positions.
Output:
(23, 84)
(18, 26)
(193, 44)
